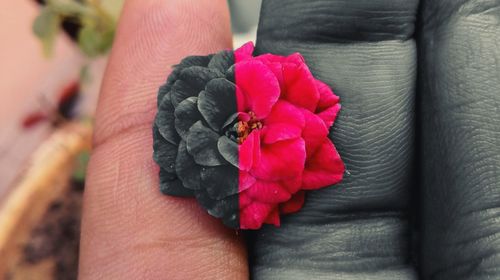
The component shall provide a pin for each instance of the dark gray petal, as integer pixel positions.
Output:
(230, 74)
(198, 76)
(164, 152)
(186, 114)
(202, 145)
(187, 170)
(162, 91)
(172, 187)
(182, 90)
(229, 150)
(217, 102)
(195, 60)
(232, 217)
(220, 181)
(165, 121)
(222, 61)
(220, 208)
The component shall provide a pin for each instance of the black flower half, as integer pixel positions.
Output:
(194, 138)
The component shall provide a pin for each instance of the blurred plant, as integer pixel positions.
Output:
(56, 114)
(93, 21)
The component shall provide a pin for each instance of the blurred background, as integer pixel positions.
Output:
(52, 59)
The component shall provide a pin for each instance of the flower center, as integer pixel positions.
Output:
(246, 127)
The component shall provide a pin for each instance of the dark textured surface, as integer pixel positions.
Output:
(460, 139)
(194, 107)
(358, 229)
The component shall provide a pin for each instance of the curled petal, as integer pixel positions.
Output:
(202, 145)
(327, 98)
(268, 192)
(281, 160)
(315, 132)
(186, 114)
(249, 151)
(280, 131)
(299, 86)
(258, 85)
(324, 168)
(294, 204)
(217, 102)
(244, 52)
(245, 181)
(252, 216)
(329, 115)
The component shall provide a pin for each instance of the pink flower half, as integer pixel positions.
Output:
(284, 118)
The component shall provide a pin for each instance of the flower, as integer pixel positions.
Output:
(246, 135)
(289, 150)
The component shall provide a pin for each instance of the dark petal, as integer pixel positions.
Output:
(162, 91)
(222, 61)
(232, 220)
(198, 76)
(186, 114)
(187, 170)
(202, 145)
(217, 102)
(164, 152)
(182, 90)
(231, 120)
(229, 150)
(172, 187)
(220, 208)
(230, 74)
(206, 201)
(165, 121)
(195, 60)
(220, 181)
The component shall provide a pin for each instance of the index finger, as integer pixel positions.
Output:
(130, 230)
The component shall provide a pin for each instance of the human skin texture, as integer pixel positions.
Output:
(130, 230)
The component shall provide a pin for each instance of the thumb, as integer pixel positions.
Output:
(130, 230)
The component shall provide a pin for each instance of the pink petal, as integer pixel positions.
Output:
(245, 181)
(314, 133)
(327, 98)
(294, 204)
(280, 131)
(281, 160)
(258, 85)
(299, 86)
(244, 52)
(244, 200)
(273, 218)
(249, 151)
(324, 168)
(329, 115)
(268, 192)
(285, 122)
(252, 216)
(285, 112)
(292, 185)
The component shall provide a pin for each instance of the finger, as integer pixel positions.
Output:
(130, 230)
(358, 229)
(460, 139)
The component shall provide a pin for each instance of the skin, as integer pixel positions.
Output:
(130, 230)
(418, 132)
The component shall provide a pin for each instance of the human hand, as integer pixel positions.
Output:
(389, 212)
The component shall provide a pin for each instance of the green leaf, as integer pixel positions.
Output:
(93, 41)
(46, 27)
(81, 166)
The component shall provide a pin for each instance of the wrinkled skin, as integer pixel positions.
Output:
(422, 147)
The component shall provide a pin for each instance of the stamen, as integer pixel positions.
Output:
(246, 127)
